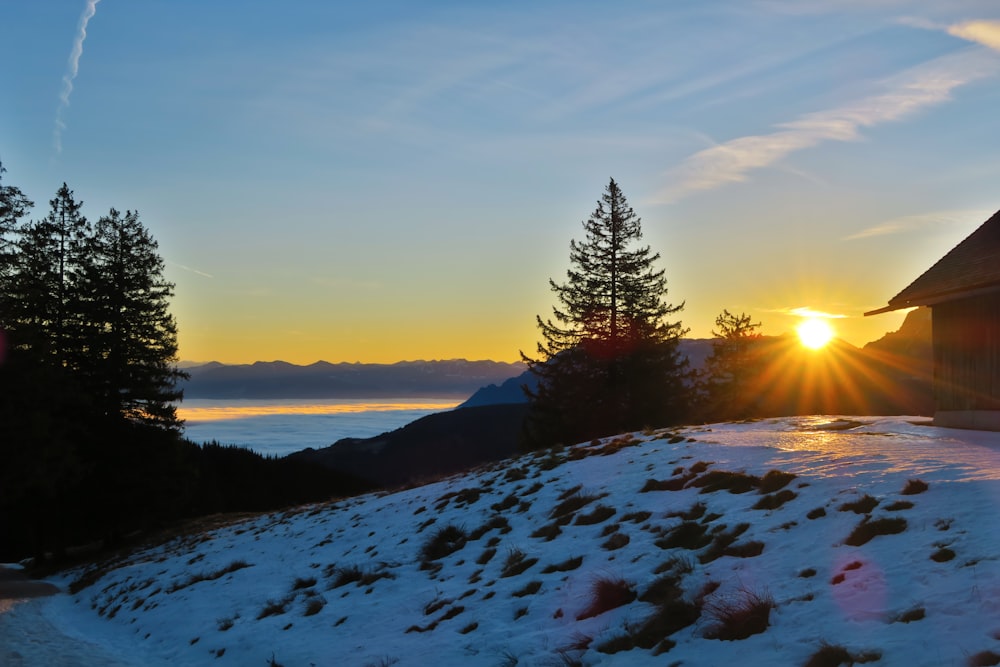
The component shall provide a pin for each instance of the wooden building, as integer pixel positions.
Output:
(963, 292)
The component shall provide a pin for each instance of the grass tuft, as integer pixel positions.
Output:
(314, 606)
(565, 566)
(571, 504)
(548, 532)
(529, 588)
(912, 615)
(942, 555)
(775, 500)
(866, 530)
(444, 542)
(688, 535)
(516, 563)
(721, 480)
(899, 505)
(607, 593)
(773, 481)
(913, 487)
(738, 616)
(863, 505)
(984, 659)
(597, 515)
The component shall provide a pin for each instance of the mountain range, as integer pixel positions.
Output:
(278, 379)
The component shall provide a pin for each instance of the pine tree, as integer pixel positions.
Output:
(609, 359)
(732, 368)
(13, 206)
(132, 336)
(44, 310)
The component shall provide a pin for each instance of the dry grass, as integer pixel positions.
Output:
(444, 542)
(516, 563)
(607, 593)
(866, 530)
(863, 505)
(775, 500)
(599, 514)
(740, 615)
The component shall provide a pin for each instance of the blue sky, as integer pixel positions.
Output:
(388, 180)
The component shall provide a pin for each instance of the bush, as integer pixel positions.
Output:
(866, 530)
(606, 594)
(740, 615)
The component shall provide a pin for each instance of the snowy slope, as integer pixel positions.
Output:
(530, 556)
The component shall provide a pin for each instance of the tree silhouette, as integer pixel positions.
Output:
(132, 337)
(608, 361)
(733, 367)
(44, 310)
(13, 206)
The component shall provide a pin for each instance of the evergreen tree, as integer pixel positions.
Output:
(13, 206)
(44, 312)
(132, 337)
(609, 360)
(733, 367)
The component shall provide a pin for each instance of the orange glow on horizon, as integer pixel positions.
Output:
(200, 410)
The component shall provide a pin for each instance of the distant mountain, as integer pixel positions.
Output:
(511, 390)
(910, 347)
(277, 379)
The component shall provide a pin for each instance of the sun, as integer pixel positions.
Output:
(814, 333)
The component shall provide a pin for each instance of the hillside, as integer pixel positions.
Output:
(678, 543)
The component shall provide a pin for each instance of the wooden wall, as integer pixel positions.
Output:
(967, 354)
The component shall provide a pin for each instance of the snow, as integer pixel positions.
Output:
(189, 601)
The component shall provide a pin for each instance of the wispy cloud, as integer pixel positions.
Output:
(805, 311)
(72, 69)
(909, 223)
(916, 89)
(986, 33)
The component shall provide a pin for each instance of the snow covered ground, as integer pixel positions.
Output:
(646, 549)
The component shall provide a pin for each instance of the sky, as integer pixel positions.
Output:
(384, 181)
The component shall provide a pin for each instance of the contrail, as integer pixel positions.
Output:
(71, 71)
